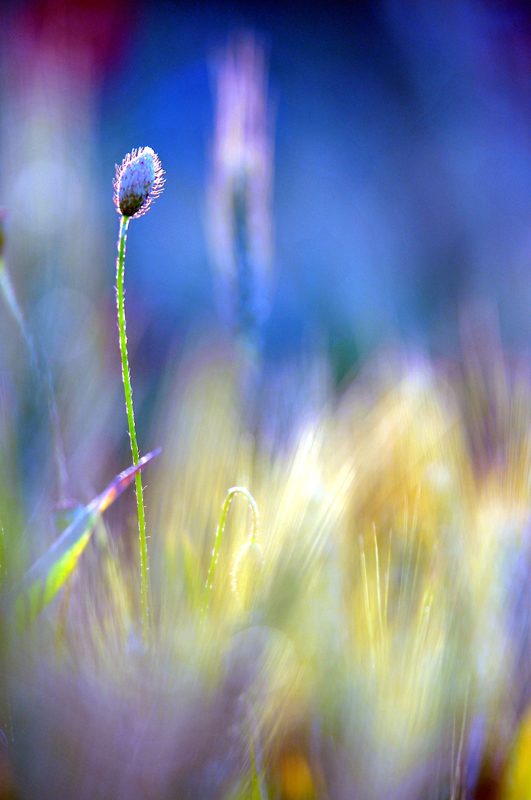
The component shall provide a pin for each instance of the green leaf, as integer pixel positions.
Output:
(43, 580)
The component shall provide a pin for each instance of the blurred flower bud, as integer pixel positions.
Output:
(139, 180)
(240, 185)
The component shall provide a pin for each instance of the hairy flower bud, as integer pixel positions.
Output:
(139, 179)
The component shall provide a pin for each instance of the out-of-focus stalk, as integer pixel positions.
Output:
(40, 367)
(240, 188)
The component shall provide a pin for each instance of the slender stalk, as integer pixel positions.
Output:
(144, 566)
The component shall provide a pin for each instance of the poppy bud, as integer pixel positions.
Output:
(139, 179)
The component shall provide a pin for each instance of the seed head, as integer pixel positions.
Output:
(139, 179)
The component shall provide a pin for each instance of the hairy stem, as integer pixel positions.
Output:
(144, 567)
(219, 537)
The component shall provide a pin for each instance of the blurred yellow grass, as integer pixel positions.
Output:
(517, 778)
(383, 609)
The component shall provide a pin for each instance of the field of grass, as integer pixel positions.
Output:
(322, 590)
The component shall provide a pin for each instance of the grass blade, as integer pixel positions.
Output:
(48, 574)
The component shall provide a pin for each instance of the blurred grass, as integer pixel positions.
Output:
(386, 626)
(377, 644)
(384, 643)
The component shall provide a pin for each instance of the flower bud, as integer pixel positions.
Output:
(139, 179)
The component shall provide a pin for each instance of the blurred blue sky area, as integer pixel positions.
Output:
(401, 162)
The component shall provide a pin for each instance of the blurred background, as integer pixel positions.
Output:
(342, 181)
(386, 149)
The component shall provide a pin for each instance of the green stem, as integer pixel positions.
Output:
(219, 537)
(144, 567)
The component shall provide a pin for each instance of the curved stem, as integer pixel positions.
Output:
(144, 567)
(219, 536)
